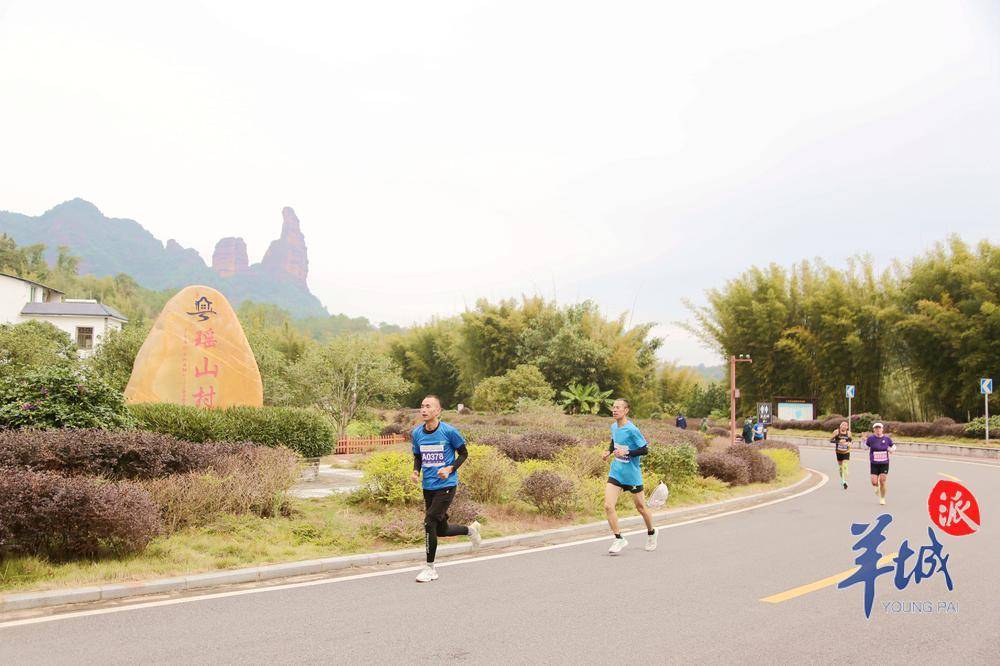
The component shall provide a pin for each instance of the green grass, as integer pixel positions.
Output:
(318, 528)
(776, 433)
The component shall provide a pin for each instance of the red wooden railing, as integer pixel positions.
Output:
(366, 444)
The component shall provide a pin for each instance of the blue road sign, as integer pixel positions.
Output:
(850, 391)
(986, 386)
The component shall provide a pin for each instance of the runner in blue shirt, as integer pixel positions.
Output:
(438, 452)
(627, 446)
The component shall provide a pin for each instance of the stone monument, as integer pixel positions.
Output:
(196, 354)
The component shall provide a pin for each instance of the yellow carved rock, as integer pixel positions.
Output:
(196, 354)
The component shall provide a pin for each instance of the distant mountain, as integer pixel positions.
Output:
(711, 373)
(108, 246)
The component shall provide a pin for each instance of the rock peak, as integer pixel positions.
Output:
(287, 257)
(230, 257)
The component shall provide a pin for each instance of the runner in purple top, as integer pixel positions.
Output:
(879, 448)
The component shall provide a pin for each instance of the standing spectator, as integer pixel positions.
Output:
(747, 431)
(681, 422)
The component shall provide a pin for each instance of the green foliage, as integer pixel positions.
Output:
(708, 400)
(589, 399)
(488, 475)
(574, 344)
(500, 394)
(977, 427)
(810, 331)
(305, 431)
(787, 462)
(115, 356)
(946, 316)
(428, 357)
(387, 478)
(672, 464)
(676, 387)
(59, 396)
(362, 428)
(33, 344)
(345, 377)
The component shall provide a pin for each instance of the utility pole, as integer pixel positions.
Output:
(733, 360)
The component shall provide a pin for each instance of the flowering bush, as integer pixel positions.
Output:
(60, 397)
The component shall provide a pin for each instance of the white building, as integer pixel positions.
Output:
(86, 321)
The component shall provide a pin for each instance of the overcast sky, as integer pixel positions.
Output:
(633, 153)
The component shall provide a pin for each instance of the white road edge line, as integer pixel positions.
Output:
(391, 572)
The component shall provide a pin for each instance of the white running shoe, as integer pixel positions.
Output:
(881, 500)
(651, 539)
(474, 536)
(617, 546)
(427, 575)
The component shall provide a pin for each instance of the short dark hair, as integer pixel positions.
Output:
(627, 405)
(431, 395)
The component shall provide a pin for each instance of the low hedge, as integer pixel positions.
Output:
(64, 517)
(734, 471)
(303, 430)
(762, 468)
(672, 463)
(111, 454)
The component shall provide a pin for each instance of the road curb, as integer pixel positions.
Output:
(35, 600)
(936, 448)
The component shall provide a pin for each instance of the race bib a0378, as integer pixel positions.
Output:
(432, 455)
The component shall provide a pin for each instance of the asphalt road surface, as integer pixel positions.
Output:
(698, 598)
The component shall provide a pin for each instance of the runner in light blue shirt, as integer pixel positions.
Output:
(627, 446)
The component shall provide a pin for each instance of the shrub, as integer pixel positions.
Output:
(672, 463)
(400, 529)
(718, 432)
(549, 491)
(251, 479)
(112, 454)
(464, 509)
(954, 430)
(497, 439)
(500, 394)
(360, 428)
(397, 429)
(303, 430)
(68, 517)
(583, 461)
(762, 468)
(786, 462)
(863, 422)
(943, 421)
(977, 427)
(734, 471)
(488, 475)
(540, 445)
(60, 397)
(387, 478)
(833, 422)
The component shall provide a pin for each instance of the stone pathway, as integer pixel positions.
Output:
(326, 481)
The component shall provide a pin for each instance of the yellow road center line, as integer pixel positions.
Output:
(820, 584)
(949, 476)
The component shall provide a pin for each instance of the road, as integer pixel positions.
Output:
(698, 598)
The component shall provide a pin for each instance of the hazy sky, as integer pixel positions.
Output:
(438, 152)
